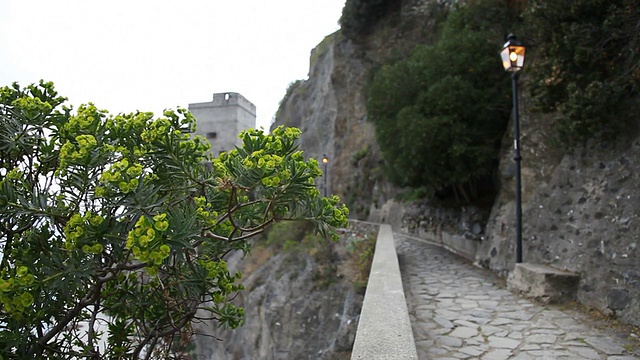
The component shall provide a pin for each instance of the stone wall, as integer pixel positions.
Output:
(580, 213)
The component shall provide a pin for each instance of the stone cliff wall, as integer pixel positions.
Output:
(329, 107)
(580, 213)
(333, 119)
(287, 317)
(300, 303)
(580, 210)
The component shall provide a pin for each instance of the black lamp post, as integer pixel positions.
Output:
(325, 161)
(512, 55)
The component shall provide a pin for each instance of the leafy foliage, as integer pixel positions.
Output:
(586, 64)
(288, 235)
(360, 16)
(114, 228)
(362, 250)
(440, 114)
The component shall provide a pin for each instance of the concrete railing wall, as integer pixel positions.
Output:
(384, 329)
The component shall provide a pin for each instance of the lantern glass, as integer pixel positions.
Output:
(513, 54)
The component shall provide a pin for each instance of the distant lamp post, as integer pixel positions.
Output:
(512, 55)
(325, 162)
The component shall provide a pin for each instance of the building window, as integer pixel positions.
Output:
(212, 135)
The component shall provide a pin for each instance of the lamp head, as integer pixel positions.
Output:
(512, 54)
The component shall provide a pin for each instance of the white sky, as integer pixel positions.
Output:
(127, 55)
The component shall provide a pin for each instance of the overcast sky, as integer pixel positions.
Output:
(127, 55)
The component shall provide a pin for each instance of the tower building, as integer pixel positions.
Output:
(221, 120)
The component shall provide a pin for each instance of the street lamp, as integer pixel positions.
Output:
(512, 55)
(325, 161)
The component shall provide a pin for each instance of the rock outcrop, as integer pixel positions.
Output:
(329, 107)
(298, 305)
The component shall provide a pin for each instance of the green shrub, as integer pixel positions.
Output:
(360, 16)
(364, 250)
(288, 235)
(585, 64)
(440, 114)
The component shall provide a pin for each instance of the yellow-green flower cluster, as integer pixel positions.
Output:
(273, 166)
(15, 174)
(138, 121)
(313, 168)
(335, 213)
(213, 268)
(78, 152)
(32, 107)
(186, 122)
(145, 240)
(276, 141)
(210, 216)
(313, 191)
(157, 129)
(205, 211)
(14, 295)
(218, 271)
(178, 130)
(75, 229)
(287, 133)
(196, 144)
(219, 167)
(85, 120)
(122, 175)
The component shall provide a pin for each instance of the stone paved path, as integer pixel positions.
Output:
(459, 312)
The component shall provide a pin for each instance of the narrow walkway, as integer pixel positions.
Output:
(459, 311)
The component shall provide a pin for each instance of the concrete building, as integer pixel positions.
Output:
(222, 119)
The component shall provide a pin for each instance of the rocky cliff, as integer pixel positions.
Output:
(300, 302)
(580, 209)
(329, 107)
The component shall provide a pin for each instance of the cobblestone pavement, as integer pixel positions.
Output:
(458, 311)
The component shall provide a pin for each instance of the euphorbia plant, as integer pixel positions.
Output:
(114, 229)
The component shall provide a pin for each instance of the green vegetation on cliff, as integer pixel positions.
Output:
(361, 16)
(585, 64)
(440, 113)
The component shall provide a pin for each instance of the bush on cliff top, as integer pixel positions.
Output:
(359, 17)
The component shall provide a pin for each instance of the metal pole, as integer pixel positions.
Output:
(517, 158)
(325, 179)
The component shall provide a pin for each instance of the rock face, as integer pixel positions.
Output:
(330, 107)
(287, 318)
(298, 304)
(580, 213)
(580, 209)
(332, 121)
